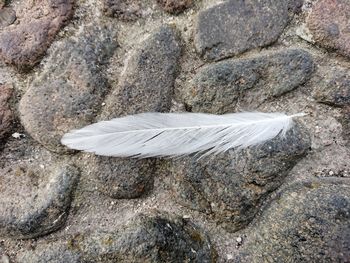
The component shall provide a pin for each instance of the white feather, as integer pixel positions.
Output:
(176, 134)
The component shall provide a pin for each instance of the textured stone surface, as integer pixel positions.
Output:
(309, 222)
(174, 6)
(6, 114)
(232, 186)
(123, 178)
(233, 27)
(145, 238)
(148, 79)
(34, 202)
(24, 43)
(125, 10)
(345, 121)
(145, 86)
(7, 16)
(333, 88)
(219, 87)
(329, 25)
(70, 89)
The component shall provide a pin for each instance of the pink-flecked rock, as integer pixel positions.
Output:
(329, 25)
(25, 43)
(6, 115)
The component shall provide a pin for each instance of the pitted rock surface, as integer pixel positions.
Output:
(24, 43)
(38, 201)
(70, 90)
(220, 87)
(145, 238)
(333, 87)
(233, 27)
(146, 86)
(174, 6)
(125, 10)
(112, 58)
(7, 17)
(6, 114)
(308, 222)
(232, 186)
(329, 25)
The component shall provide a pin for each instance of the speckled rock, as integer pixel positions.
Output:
(145, 238)
(233, 27)
(345, 121)
(70, 89)
(309, 222)
(148, 79)
(329, 25)
(24, 43)
(231, 187)
(125, 10)
(7, 16)
(145, 86)
(333, 87)
(6, 114)
(123, 178)
(33, 203)
(220, 87)
(174, 6)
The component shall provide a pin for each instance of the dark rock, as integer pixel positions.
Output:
(308, 222)
(345, 121)
(148, 80)
(2, 3)
(174, 6)
(232, 186)
(219, 87)
(235, 26)
(333, 88)
(123, 178)
(125, 10)
(145, 238)
(329, 25)
(6, 114)
(7, 17)
(145, 86)
(70, 89)
(32, 203)
(25, 43)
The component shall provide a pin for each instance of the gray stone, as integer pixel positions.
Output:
(7, 16)
(219, 87)
(345, 121)
(231, 187)
(328, 23)
(146, 86)
(308, 222)
(147, 82)
(174, 6)
(333, 87)
(157, 237)
(235, 26)
(125, 10)
(32, 203)
(123, 178)
(6, 114)
(70, 89)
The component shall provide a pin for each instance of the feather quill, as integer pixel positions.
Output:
(177, 134)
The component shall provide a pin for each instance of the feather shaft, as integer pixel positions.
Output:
(176, 134)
